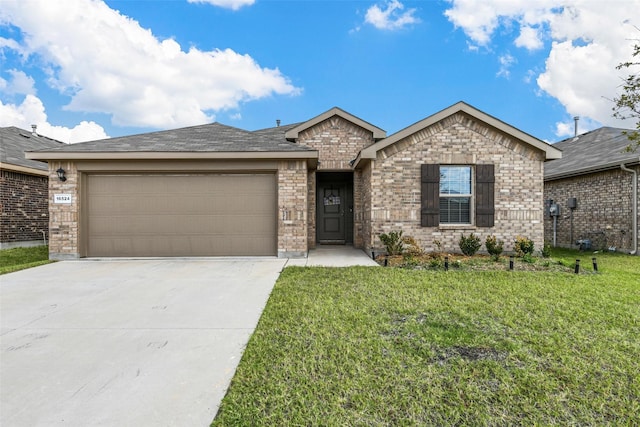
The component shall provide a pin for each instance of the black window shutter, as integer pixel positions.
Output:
(485, 184)
(430, 195)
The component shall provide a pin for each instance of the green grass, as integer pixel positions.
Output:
(20, 258)
(389, 346)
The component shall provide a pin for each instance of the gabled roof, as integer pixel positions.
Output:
(292, 134)
(593, 151)
(371, 151)
(204, 141)
(13, 144)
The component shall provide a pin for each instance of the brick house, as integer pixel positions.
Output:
(24, 215)
(594, 185)
(335, 179)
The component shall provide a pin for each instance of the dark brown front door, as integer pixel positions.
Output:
(332, 199)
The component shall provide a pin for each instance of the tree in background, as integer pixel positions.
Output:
(627, 105)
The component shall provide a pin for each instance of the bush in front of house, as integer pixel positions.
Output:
(469, 245)
(412, 247)
(393, 242)
(494, 247)
(523, 246)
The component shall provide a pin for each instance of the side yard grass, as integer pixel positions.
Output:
(20, 258)
(391, 346)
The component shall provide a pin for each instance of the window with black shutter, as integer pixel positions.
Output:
(448, 194)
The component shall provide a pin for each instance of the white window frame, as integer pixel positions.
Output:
(469, 196)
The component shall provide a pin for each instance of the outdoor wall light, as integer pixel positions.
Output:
(61, 176)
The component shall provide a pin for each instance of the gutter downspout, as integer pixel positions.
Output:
(635, 207)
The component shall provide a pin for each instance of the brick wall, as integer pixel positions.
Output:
(458, 139)
(338, 141)
(292, 202)
(24, 214)
(603, 213)
(63, 220)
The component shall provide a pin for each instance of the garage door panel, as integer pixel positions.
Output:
(181, 215)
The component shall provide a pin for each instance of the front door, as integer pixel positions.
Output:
(332, 198)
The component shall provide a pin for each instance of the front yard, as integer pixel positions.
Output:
(391, 346)
(20, 258)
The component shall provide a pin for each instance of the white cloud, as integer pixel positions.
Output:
(227, 4)
(108, 63)
(391, 16)
(586, 40)
(529, 38)
(20, 83)
(506, 62)
(32, 112)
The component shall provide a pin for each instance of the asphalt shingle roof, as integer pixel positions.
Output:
(15, 141)
(600, 149)
(214, 137)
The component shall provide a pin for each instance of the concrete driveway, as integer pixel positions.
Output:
(126, 343)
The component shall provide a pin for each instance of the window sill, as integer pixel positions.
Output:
(457, 227)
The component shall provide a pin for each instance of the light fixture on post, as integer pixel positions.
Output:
(61, 176)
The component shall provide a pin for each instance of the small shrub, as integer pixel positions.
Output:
(435, 263)
(528, 258)
(546, 251)
(392, 242)
(469, 245)
(413, 248)
(438, 244)
(523, 246)
(494, 247)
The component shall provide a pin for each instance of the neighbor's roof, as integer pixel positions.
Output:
(371, 151)
(13, 144)
(597, 150)
(213, 140)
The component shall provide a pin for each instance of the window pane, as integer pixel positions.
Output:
(455, 210)
(455, 180)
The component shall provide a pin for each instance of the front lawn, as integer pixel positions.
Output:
(20, 258)
(390, 346)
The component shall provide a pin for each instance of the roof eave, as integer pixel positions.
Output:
(168, 155)
(551, 152)
(292, 134)
(23, 169)
(590, 169)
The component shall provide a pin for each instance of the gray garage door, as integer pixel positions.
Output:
(181, 215)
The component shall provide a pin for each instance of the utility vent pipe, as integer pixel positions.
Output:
(278, 122)
(634, 201)
(575, 120)
(34, 130)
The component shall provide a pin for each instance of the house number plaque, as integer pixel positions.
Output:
(62, 198)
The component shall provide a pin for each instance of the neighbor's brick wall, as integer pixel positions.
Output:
(604, 212)
(24, 208)
(63, 220)
(458, 139)
(338, 141)
(292, 202)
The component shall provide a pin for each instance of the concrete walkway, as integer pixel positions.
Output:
(333, 256)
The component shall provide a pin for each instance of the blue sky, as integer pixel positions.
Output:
(88, 69)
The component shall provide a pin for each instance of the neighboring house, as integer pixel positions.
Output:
(594, 185)
(335, 179)
(24, 214)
